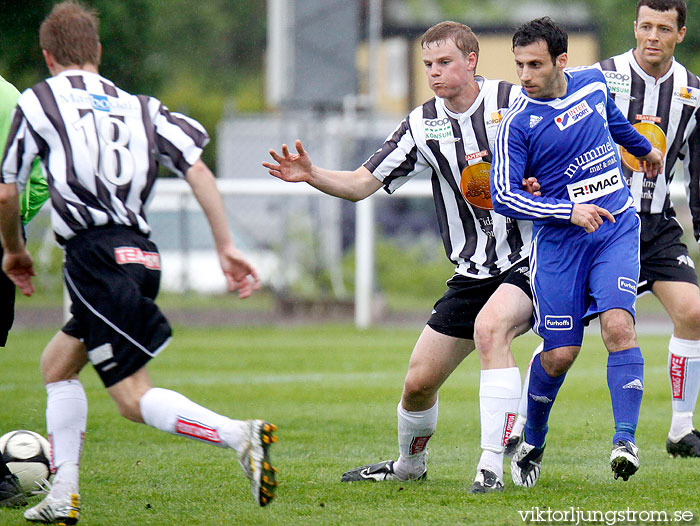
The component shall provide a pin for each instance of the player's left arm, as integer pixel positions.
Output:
(690, 153)
(240, 274)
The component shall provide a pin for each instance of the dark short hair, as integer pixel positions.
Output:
(665, 5)
(462, 35)
(70, 34)
(544, 29)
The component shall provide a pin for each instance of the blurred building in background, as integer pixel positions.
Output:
(339, 76)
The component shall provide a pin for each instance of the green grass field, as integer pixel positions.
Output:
(333, 391)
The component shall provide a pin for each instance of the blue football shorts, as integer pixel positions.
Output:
(575, 276)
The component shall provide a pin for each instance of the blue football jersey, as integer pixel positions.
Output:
(568, 144)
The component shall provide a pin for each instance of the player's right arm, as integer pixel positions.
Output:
(240, 274)
(297, 168)
(16, 261)
(20, 152)
(508, 171)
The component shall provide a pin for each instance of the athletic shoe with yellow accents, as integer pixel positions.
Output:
(53, 510)
(255, 460)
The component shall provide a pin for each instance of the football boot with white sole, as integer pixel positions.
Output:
(486, 481)
(624, 460)
(377, 472)
(255, 460)
(525, 465)
(55, 510)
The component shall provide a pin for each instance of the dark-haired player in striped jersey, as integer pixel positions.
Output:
(447, 138)
(100, 148)
(661, 96)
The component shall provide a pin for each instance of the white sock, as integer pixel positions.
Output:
(499, 395)
(684, 374)
(522, 408)
(415, 429)
(66, 420)
(174, 413)
(65, 482)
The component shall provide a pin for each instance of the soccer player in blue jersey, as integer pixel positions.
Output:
(585, 249)
(661, 96)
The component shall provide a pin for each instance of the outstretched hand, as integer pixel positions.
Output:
(240, 274)
(291, 167)
(20, 269)
(590, 217)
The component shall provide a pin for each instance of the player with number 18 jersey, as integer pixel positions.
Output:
(100, 147)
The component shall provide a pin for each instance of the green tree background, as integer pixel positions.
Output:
(204, 57)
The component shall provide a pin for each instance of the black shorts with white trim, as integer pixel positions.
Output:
(113, 274)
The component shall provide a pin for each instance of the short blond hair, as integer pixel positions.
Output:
(460, 34)
(71, 34)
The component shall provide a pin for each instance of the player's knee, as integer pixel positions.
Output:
(558, 361)
(688, 318)
(618, 336)
(488, 333)
(417, 391)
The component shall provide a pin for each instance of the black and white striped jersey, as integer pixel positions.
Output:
(436, 141)
(100, 147)
(673, 104)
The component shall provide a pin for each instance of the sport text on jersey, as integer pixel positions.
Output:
(595, 187)
(573, 115)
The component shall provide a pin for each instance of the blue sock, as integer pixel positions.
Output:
(542, 391)
(626, 384)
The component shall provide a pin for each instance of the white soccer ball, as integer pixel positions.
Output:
(27, 454)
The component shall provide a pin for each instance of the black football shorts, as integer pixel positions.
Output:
(454, 314)
(113, 274)
(664, 257)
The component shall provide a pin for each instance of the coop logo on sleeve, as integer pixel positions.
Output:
(573, 115)
(439, 130)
